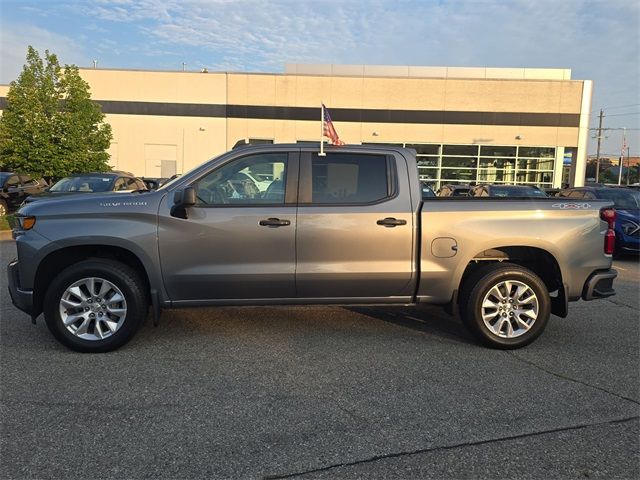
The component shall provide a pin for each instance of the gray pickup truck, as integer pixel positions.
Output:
(284, 225)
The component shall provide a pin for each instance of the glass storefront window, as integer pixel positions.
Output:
(427, 161)
(534, 177)
(537, 152)
(491, 175)
(467, 174)
(427, 173)
(460, 150)
(503, 164)
(460, 162)
(424, 149)
(536, 163)
(498, 162)
(497, 151)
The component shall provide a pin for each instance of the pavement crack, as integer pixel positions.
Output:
(621, 304)
(449, 447)
(574, 380)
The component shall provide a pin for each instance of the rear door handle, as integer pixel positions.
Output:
(391, 222)
(274, 222)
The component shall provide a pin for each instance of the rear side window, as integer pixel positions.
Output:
(344, 178)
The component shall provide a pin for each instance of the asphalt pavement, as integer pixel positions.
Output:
(325, 392)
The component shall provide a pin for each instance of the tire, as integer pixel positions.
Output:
(3, 208)
(506, 327)
(99, 326)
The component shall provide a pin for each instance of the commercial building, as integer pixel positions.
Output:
(501, 125)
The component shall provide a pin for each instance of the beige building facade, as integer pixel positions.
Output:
(467, 124)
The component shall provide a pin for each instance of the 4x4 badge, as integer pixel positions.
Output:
(571, 206)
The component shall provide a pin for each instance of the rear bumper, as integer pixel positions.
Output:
(599, 285)
(22, 299)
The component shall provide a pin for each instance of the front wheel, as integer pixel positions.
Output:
(505, 306)
(95, 305)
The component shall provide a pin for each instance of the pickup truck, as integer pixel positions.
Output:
(349, 227)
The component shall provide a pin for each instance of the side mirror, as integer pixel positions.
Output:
(182, 200)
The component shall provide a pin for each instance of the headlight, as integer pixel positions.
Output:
(26, 223)
(630, 228)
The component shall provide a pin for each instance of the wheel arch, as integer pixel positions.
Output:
(539, 260)
(59, 259)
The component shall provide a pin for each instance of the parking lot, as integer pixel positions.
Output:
(325, 392)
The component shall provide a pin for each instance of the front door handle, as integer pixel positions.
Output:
(274, 222)
(391, 222)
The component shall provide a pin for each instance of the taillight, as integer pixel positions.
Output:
(609, 216)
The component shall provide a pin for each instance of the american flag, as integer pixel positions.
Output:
(328, 128)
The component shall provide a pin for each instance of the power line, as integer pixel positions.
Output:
(622, 114)
(618, 128)
(618, 106)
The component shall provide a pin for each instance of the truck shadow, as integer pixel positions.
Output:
(428, 319)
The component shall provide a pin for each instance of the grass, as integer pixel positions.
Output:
(4, 223)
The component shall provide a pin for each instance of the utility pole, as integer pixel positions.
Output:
(598, 151)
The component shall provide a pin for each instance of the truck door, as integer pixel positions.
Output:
(238, 241)
(355, 228)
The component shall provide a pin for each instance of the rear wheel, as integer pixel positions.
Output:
(505, 306)
(95, 305)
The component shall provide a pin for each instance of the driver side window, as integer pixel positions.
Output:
(251, 180)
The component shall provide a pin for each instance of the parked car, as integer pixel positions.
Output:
(154, 183)
(453, 190)
(349, 228)
(627, 204)
(427, 191)
(521, 191)
(97, 182)
(14, 188)
(552, 192)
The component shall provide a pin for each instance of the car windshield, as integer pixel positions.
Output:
(3, 177)
(88, 183)
(622, 199)
(517, 192)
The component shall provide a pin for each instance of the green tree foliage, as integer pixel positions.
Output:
(50, 127)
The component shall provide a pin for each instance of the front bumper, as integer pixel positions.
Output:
(599, 285)
(22, 299)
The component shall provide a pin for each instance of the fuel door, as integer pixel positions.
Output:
(444, 247)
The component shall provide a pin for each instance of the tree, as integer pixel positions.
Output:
(50, 127)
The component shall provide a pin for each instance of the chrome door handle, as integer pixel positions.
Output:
(390, 222)
(274, 222)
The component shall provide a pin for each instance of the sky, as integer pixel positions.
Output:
(598, 40)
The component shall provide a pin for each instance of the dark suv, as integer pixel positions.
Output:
(14, 188)
(627, 204)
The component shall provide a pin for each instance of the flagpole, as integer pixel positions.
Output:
(322, 154)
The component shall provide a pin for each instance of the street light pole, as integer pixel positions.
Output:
(628, 164)
(624, 144)
(598, 150)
